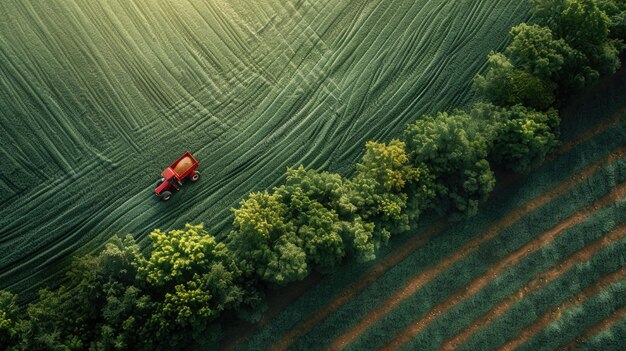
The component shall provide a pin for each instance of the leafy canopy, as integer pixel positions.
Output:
(453, 148)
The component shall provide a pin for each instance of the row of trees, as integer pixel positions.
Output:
(572, 44)
(174, 296)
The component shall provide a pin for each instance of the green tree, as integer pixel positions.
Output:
(616, 10)
(197, 278)
(98, 308)
(335, 194)
(380, 186)
(585, 27)
(9, 320)
(265, 240)
(328, 189)
(126, 306)
(177, 255)
(453, 148)
(522, 137)
(535, 50)
(505, 85)
(318, 227)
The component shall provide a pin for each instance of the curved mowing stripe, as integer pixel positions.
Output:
(426, 276)
(493, 272)
(554, 314)
(98, 96)
(608, 323)
(540, 281)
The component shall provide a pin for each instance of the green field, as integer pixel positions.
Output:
(99, 96)
(543, 259)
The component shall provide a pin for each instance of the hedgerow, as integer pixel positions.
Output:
(176, 295)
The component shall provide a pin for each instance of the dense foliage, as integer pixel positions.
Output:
(453, 148)
(174, 296)
(568, 49)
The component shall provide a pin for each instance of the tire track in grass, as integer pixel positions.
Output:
(428, 275)
(608, 323)
(495, 270)
(554, 314)
(377, 271)
(540, 281)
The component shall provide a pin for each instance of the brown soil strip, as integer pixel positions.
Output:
(555, 313)
(541, 280)
(494, 271)
(429, 274)
(393, 259)
(613, 319)
(361, 283)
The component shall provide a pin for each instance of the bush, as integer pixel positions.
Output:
(585, 28)
(616, 10)
(505, 85)
(379, 187)
(196, 278)
(265, 240)
(9, 319)
(535, 51)
(453, 148)
(522, 137)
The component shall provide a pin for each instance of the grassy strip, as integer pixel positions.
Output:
(576, 320)
(497, 268)
(554, 313)
(531, 274)
(607, 340)
(616, 317)
(556, 293)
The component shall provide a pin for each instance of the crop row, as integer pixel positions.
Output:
(558, 171)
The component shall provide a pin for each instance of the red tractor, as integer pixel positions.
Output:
(173, 176)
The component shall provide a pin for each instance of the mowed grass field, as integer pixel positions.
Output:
(97, 97)
(541, 267)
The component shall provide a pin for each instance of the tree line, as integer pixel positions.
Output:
(176, 295)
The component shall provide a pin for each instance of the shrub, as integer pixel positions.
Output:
(535, 50)
(9, 319)
(505, 85)
(522, 137)
(453, 148)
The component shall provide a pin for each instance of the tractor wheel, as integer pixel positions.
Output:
(195, 176)
(166, 195)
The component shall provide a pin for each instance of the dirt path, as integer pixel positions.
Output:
(554, 314)
(540, 281)
(494, 271)
(429, 274)
(608, 323)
